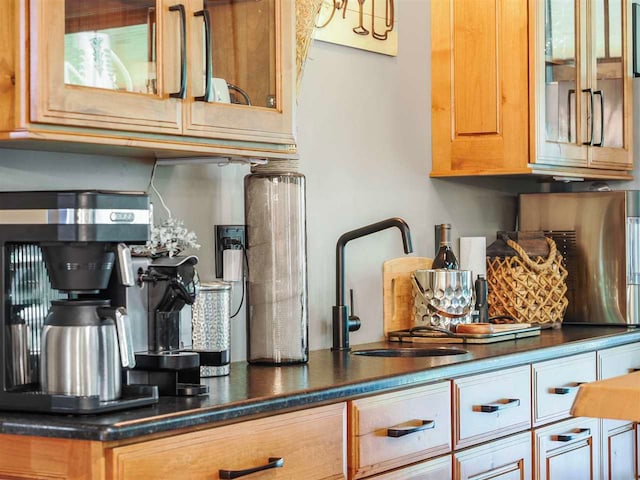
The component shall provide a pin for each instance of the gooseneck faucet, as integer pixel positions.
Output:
(343, 323)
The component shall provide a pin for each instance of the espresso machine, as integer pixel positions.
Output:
(64, 340)
(159, 305)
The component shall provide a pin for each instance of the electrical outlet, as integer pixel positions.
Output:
(228, 237)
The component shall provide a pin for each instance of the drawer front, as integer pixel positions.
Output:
(311, 444)
(568, 449)
(436, 469)
(505, 459)
(555, 385)
(392, 430)
(617, 361)
(614, 362)
(491, 405)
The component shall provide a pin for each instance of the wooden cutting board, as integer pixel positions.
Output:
(397, 300)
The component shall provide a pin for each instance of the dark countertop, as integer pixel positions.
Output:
(252, 390)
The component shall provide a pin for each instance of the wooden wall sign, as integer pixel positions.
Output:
(365, 24)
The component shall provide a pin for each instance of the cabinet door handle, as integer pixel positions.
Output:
(207, 53)
(567, 389)
(590, 92)
(600, 93)
(570, 437)
(396, 432)
(183, 51)
(499, 405)
(274, 462)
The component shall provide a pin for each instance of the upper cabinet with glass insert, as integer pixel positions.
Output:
(553, 76)
(205, 76)
(585, 105)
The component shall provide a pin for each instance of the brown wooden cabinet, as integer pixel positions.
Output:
(395, 429)
(491, 405)
(533, 87)
(165, 76)
(311, 444)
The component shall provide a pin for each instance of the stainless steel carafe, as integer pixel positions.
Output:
(85, 343)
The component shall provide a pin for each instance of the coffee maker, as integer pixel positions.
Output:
(159, 305)
(64, 341)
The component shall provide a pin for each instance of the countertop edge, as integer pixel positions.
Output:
(297, 400)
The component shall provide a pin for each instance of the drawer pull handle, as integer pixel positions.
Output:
(570, 437)
(402, 431)
(274, 462)
(565, 390)
(499, 405)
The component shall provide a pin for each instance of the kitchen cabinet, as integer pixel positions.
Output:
(161, 76)
(436, 469)
(555, 383)
(491, 405)
(619, 441)
(391, 430)
(505, 459)
(521, 88)
(568, 449)
(308, 444)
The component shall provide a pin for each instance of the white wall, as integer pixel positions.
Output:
(364, 141)
(365, 146)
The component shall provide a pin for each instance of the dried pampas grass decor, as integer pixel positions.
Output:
(306, 13)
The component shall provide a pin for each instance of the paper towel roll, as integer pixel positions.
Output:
(473, 253)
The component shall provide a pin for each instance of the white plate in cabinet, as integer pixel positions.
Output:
(435, 469)
(616, 361)
(505, 459)
(568, 449)
(555, 384)
(491, 405)
(394, 429)
(310, 444)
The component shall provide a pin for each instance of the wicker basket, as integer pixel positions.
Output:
(529, 290)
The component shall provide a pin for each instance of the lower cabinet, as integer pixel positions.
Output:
(308, 444)
(436, 469)
(618, 455)
(568, 450)
(505, 459)
(396, 429)
(619, 442)
(301, 445)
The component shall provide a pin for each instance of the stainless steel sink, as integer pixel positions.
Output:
(411, 352)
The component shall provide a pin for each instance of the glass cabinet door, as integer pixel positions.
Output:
(107, 64)
(609, 77)
(242, 59)
(561, 128)
(111, 45)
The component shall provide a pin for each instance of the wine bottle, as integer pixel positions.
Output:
(445, 258)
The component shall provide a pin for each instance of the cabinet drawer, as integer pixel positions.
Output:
(555, 384)
(310, 442)
(505, 459)
(568, 449)
(394, 429)
(491, 405)
(436, 469)
(616, 361)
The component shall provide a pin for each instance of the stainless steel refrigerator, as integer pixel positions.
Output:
(598, 234)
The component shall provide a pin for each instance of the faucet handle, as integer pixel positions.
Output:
(354, 321)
